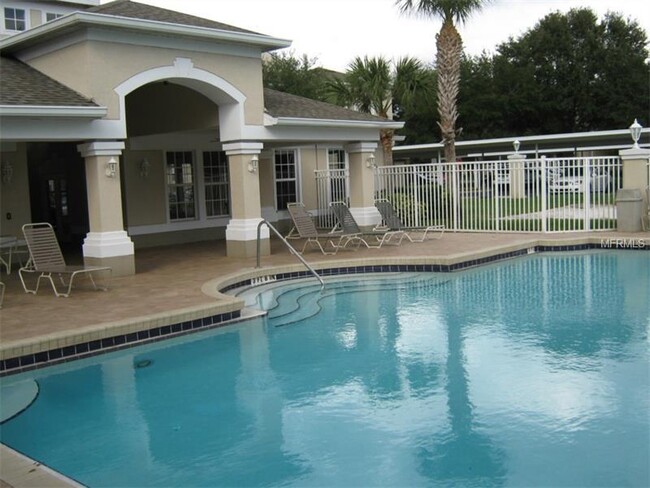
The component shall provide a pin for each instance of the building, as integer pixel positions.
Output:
(127, 125)
(579, 144)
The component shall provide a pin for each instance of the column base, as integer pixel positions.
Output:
(114, 249)
(120, 265)
(241, 238)
(247, 249)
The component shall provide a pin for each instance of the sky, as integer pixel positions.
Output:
(335, 31)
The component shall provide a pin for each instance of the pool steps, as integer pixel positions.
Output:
(287, 303)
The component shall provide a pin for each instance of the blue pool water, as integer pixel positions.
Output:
(533, 372)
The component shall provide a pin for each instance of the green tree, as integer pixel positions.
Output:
(449, 46)
(293, 74)
(374, 85)
(572, 73)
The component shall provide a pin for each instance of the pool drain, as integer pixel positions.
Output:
(143, 363)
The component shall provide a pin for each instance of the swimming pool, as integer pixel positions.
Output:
(529, 372)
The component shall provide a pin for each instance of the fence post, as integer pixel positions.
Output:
(455, 196)
(416, 195)
(495, 196)
(544, 197)
(586, 200)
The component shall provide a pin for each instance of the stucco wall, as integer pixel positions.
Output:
(266, 180)
(309, 156)
(96, 68)
(145, 196)
(14, 196)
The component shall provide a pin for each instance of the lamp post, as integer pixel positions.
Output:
(635, 132)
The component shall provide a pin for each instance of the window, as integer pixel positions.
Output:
(286, 178)
(49, 16)
(180, 185)
(338, 178)
(215, 177)
(15, 19)
(336, 158)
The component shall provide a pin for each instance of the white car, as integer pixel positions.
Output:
(600, 181)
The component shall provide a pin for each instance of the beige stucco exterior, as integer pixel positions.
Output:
(636, 166)
(95, 69)
(152, 209)
(179, 90)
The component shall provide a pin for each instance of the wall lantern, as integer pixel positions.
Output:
(370, 162)
(516, 145)
(144, 168)
(111, 168)
(635, 132)
(254, 163)
(7, 172)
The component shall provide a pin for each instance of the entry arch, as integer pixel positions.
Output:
(226, 96)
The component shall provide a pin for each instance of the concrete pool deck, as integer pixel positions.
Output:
(174, 283)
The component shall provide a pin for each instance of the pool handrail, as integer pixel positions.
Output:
(289, 246)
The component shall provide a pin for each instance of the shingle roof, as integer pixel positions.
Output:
(134, 10)
(279, 104)
(21, 84)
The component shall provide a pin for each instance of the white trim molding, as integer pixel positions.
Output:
(634, 153)
(361, 147)
(245, 230)
(52, 111)
(107, 244)
(241, 148)
(101, 148)
(79, 19)
(303, 122)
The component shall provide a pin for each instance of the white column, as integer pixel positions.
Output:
(362, 183)
(246, 209)
(107, 243)
(636, 177)
(517, 175)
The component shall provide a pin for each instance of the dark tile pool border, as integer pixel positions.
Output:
(122, 341)
(114, 343)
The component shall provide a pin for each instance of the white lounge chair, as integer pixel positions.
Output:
(45, 259)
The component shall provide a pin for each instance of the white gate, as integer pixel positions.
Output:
(332, 185)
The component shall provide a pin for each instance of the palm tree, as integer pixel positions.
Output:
(449, 46)
(371, 85)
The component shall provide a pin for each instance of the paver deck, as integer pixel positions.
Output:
(171, 278)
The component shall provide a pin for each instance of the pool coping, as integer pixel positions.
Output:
(27, 354)
(20, 470)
